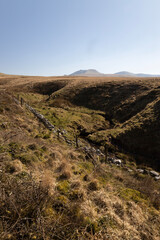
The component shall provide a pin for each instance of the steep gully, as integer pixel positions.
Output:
(91, 150)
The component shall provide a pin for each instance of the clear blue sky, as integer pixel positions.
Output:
(56, 37)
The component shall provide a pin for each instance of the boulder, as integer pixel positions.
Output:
(157, 178)
(140, 170)
(129, 170)
(154, 173)
(117, 161)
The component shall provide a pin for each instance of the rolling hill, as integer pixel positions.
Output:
(89, 73)
(124, 73)
(95, 73)
(59, 149)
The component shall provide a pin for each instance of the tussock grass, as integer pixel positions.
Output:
(62, 194)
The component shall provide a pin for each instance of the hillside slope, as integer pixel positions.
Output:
(43, 178)
(131, 106)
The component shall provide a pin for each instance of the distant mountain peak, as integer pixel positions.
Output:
(88, 72)
(95, 73)
(124, 73)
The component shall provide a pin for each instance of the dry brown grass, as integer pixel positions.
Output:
(129, 104)
(59, 193)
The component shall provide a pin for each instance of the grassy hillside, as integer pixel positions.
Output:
(52, 190)
(131, 107)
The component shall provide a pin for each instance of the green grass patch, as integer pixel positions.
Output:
(107, 221)
(86, 166)
(134, 195)
(64, 187)
(27, 158)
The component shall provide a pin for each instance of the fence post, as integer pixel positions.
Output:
(58, 132)
(106, 153)
(77, 141)
(21, 101)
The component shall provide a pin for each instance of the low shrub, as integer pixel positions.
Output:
(27, 158)
(93, 185)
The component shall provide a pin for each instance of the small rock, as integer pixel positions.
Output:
(130, 170)
(140, 170)
(98, 151)
(157, 178)
(117, 161)
(154, 173)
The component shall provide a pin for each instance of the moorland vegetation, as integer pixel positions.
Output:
(54, 189)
